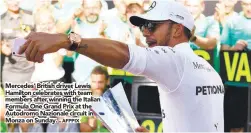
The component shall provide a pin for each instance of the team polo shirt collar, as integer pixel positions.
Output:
(184, 45)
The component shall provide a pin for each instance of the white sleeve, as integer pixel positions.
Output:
(161, 64)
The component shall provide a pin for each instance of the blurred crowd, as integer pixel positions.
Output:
(226, 29)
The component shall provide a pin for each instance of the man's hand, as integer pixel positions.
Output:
(141, 129)
(240, 45)
(78, 12)
(39, 43)
(5, 48)
(219, 12)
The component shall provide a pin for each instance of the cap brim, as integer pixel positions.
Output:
(138, 20)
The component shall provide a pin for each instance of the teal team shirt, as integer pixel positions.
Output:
(238, 28)
(234, 15)
(205, 26)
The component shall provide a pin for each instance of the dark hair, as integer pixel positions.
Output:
(101, 70)
(187, 32)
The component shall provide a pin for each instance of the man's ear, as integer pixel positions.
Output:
(178, 30)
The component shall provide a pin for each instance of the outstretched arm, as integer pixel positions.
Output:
(107, 52)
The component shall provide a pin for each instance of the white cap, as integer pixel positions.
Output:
(165, 10)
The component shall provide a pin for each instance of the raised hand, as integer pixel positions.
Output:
(39, 43)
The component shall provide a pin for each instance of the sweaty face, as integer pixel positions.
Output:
(195, 7)
(229, 5)
(13, 5)
(160, 36)
(92, 9)
(246, 6)
(98, 83)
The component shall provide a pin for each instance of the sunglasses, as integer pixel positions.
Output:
(151, 26)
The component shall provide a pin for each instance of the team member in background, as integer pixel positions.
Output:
(116, 17)
(236, 36)
(99, 82)
(51, 69)
(224, 11)
(90, 25)
(15, 23)
(188, 86)
(135, 9)
(207, 33)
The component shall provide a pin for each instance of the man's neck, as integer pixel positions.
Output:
(178, 41)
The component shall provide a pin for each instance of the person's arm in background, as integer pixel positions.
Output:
(220, 14)
(213, 31)
(5, 49)
(64, 25)
(226, 41)
(207, 43)
(86, 125)
(58, 59)
(102, 30)
(210, 41)
(226, 37)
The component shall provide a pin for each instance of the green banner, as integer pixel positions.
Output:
(235, 67)
(207, 55)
